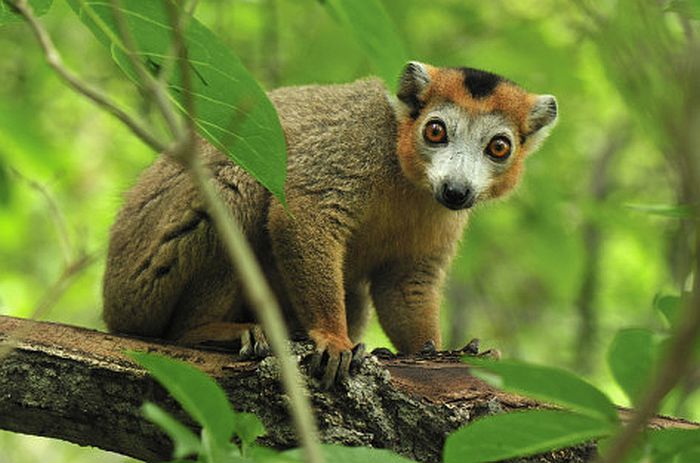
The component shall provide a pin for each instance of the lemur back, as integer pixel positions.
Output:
(379, 190)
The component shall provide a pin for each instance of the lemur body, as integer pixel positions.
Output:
(378, 191)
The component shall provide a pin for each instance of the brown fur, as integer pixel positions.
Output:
(361, 227)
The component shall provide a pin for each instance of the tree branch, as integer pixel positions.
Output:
(76, 384)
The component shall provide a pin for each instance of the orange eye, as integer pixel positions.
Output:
(499, 148)
(435, 132)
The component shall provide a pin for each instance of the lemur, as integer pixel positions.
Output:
(379, 190)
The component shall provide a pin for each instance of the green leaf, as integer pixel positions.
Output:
(370, 25)
(669, 306)
(231, 109)
(248, 428)
(664, 210)
(199, 395)
(667, 443)
(631, 359)
(8, 14)
(184, 440)
(551, 385)
(499, 437)
(339, 454)
(267, 455)
(688, 8)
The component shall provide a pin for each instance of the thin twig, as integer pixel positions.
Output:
(74, 263)
(257, 290)
(59, 219)
(54, 60)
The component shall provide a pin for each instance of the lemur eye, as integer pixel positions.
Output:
(499, 148)
(435, 132)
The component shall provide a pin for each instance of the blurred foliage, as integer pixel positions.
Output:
(518, 280)
(8, 14)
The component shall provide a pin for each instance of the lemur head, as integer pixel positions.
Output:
(464, 133)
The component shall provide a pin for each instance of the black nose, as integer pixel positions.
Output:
(456, 196)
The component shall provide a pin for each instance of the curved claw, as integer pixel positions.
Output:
(332, 367)
(261, 348)
(383, 353)
(316, 362)
(358, 356)
(344, 365)
(246, 351)
(472, 348)
(330, 372)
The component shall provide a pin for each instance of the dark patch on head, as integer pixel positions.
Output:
(480, 84)
(414, 103)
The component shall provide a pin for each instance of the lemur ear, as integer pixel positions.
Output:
(542, 118)
(543, 113)
(414, 79)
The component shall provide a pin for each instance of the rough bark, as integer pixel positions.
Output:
(76, 384)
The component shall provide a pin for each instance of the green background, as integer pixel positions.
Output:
(520, 277)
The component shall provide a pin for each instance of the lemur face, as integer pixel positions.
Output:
(463, 134)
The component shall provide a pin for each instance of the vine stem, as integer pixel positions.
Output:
(261, 297)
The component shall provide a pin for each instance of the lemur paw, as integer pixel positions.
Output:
(335, 358)
(472, 348)
(428, 348)
(254, 344)
(383, 353)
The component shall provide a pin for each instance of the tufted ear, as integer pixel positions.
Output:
(542, 118)
(413, 81)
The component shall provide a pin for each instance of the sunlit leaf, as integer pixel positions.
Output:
(372, 28)
(231, 109)
(550, 385)
(248, 427)
(8, 14)
(664, 210)
(499, 437)
(198, 394)
(339, 454)
(184, 440)
(631, 358)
